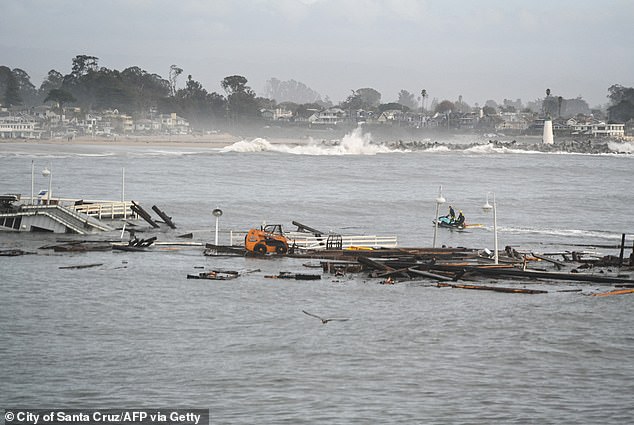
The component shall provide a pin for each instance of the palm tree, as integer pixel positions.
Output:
(424, 95)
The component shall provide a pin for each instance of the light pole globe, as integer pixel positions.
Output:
(486, 208)
(439, 201)
(217, 212)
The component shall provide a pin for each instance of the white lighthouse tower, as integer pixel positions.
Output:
(548, 138)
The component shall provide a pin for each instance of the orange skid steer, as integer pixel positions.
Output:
(268, 239)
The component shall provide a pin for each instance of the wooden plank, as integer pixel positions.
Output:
(615, 292)
(143, 214)
(559, 264)
(81, 266)
(303, 228)
(428, 274)
(532, 274)
(167, 219)
(374, 264)
(493, 288)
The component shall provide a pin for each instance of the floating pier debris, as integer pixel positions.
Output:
(135, 244)
(167, 219)
(492, 288)
(13, 252)
(296, 276)
(215, 275)
(324, 320)
(615, 292)
(82, 266)
(143, 214)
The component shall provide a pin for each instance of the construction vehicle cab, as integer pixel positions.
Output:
(267, 239)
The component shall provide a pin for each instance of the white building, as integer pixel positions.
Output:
(19, 127)
(596, 128)
(331, 116)
(173, 124)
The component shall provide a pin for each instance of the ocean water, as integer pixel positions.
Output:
(134, 332)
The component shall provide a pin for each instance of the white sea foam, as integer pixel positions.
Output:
(354, 143)
(490, 148)
(573, 233)
(621, 147)
(358, 142)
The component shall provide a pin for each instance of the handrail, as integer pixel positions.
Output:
(110, 210)
(56, 211)
(308, 241)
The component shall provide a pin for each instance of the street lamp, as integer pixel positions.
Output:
(486, 208)
(440, 200)
(32, 179)
(48, 172)
(217, 212)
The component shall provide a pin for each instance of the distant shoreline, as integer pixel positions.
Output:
(214, 141)
(222, 140)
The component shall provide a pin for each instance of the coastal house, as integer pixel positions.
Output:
(513, 121)
(330, 116)
(146, 126)
(608, 130)
(589, 126)
(277, 114)
(468, 120)
(120, 123)
(173, 124)
(391, 116)
(19, 127)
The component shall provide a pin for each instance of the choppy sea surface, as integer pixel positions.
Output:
(134, 332)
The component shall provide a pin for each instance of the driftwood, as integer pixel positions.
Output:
(493, 288)
(143, 214)
(580, 277)
(216, 250)
(215, 275)
(82, 247)
(615, 292)
(296, 276)
(167, 219)
(558, 264)
(82, 266)
(13, 252)
(303, 228)
(375, 265)
(429, 274)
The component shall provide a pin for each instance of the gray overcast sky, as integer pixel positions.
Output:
(485, 49)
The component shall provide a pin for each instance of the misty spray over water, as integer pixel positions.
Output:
(354, 143)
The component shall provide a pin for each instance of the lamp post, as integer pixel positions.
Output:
(440, 200)
(48, 172)
(486, 208)
(32, 179)
(217, 212)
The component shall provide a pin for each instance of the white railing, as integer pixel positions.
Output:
(73, 220)
(311, 242)
(96, 209)
(106, 210)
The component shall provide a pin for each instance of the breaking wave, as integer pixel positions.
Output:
(358, 142)
(621, 147)
(354, 143)
(571, 233)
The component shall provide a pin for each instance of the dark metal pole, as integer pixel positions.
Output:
(622, 249)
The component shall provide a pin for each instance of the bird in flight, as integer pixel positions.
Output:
(324, 321)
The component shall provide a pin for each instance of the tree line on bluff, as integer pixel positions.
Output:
(135, 91)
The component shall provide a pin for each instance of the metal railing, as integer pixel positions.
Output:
(106, 210)
(73, 220)
(311, 242)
